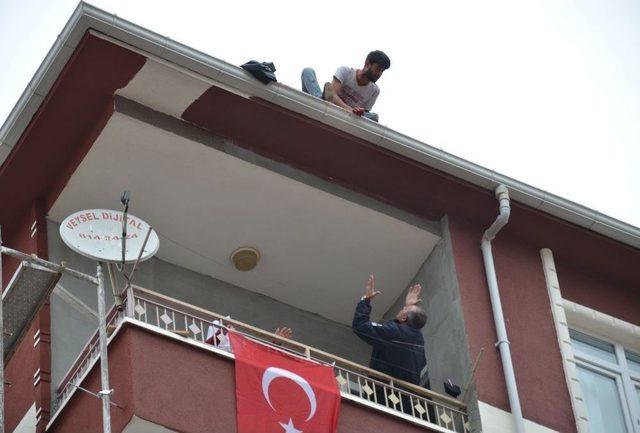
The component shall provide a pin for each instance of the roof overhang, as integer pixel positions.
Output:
(237, 81)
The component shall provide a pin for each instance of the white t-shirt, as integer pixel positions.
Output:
(353, 94)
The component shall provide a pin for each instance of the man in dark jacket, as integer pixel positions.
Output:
(398, 345)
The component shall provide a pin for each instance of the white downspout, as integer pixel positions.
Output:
(502, 194)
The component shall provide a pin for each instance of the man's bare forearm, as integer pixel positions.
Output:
(340, 103)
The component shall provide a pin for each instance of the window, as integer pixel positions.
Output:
(610, 381)
(634, 362)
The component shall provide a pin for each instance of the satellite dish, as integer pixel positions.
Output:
(97, 234)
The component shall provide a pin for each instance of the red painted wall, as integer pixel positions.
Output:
(27, 359)
(525, 302)
(83, 413)
(537, 362)
(53, 144)
(21, 395)
(185, 389)
(64, 127)
(600, 292)
(18, 236)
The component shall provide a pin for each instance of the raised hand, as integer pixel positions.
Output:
(284, 332)
(369, 288)
(413, 295)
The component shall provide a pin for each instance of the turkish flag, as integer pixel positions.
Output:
(281, 393)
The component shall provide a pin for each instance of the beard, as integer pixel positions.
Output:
(370, 76)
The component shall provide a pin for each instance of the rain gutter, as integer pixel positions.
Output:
(233, 78)
(503, 345)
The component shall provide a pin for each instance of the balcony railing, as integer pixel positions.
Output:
(83, 363)
(357, 383)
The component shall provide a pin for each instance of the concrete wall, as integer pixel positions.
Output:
(72, 324)
(446, 345)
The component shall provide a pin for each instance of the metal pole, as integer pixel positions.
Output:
(135, 265)
(473, 375)
(47, 264)
(98, 280)
(94, 394)
(128, 288)
(105, 393)
(1, 348)
(124, 232)
(117, 299)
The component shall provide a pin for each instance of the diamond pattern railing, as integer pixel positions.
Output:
(356, 382)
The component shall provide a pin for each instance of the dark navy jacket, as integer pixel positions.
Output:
(398, 349)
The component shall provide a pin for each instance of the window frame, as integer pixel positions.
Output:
(635, 375)
(626, 380)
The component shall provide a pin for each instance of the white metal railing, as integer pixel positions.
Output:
(83, 362)
(356, 382)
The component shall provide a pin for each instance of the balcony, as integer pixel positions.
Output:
(166, 376)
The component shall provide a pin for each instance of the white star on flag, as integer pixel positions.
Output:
(289, 428)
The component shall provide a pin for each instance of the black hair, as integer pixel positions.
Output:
(379, 58)
(416, 318)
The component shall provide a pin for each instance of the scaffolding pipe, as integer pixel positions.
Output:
(105, 393)
(98, 280)
(47, 264)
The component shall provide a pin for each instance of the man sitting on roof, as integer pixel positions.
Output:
(352, 89)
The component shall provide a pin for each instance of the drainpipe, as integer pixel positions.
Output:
(502, 194)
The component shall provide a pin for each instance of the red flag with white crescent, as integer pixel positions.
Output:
(281, 393)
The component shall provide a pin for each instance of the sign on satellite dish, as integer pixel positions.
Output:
(97, 234)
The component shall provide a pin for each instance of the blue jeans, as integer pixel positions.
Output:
(310, 85)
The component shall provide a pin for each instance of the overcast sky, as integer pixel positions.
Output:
(544, 91)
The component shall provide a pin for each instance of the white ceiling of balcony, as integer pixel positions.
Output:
(317, 249)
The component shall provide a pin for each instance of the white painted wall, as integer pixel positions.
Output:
(139, 425)
(28, 422)
(495, 420)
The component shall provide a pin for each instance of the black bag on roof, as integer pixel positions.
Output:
(262, 71)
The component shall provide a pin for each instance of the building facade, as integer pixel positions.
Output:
(215, 161)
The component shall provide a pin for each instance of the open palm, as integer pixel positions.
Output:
(413, 295)
(369, 288)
